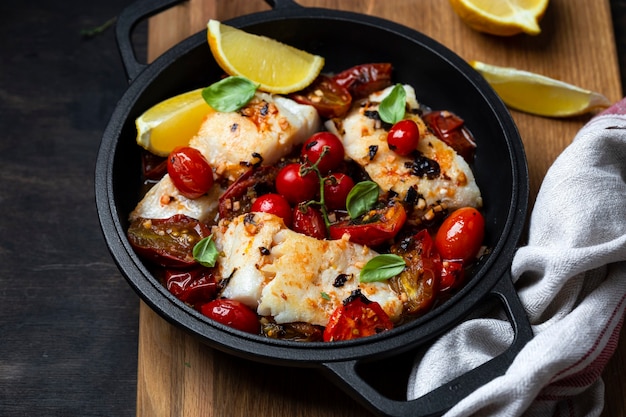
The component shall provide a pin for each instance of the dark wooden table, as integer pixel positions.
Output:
(68, 321)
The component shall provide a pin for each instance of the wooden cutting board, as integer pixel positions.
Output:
(178, 376)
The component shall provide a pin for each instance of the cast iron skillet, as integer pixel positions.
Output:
(442, 80)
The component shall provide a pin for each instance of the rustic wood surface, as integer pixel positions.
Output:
(179, 376)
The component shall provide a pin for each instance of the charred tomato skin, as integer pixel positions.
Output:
(329, 98)
(190, 172)
(389, 221)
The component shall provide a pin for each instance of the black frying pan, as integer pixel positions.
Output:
(442, 81)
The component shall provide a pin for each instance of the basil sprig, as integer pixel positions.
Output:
(229, 94)
(382, 267)
(362, 198)
(393, 107)
(205, 252)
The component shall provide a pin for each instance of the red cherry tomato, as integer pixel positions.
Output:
(326, 148)
(329, 98)
(194, 286)
(451, 129)
(274, 204)
(385, 224)
(190, 172)
(236, 198)
(452, 275)
(357, 317)
(309, 221)
(167, 242)
(232, 313)
(362, 80)
(403, 137)
(295, 187)
(460, 235)
(336, 189)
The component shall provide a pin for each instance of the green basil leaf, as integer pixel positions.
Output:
(382, 267)
(205, 252)
(393, 107)
(362, 198)
(229, 94)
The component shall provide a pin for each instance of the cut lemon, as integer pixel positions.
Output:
(538, 94)
(172, 122)
(501, 17)
(276, 67)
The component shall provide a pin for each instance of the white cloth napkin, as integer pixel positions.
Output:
(571, 279)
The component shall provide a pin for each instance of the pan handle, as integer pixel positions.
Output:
(438, 401)
(127, 21)
(282, 4)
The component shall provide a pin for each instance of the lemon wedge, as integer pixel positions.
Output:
(538, 94)
(172, 122)
(501, 17)
(276, 67)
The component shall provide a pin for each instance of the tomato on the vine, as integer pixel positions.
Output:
(325, 149)
(403, 137)
(309, 221)
(295, 187)
(461, 234)
(232, 313)
(373, 228)
(190, 172)
(356, 317)
(275, 204)
(337, 186)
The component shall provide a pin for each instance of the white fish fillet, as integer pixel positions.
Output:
(293, 280)
(269, 127)
(164, 200)
(455, 186)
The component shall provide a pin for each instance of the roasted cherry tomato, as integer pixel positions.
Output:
(419, 283)
(329, 98)
(167, 242)
(294, 186)
(193, 286)
(232, 313)
(373, 228)
(190, 172)
(356, 317)
(452, 275)
(461, 234)
(275, 204)
(309, 221)
(337, 186)
(362, 80)
(403, 137)
(325, 149)
(451, 129)
(237, 197)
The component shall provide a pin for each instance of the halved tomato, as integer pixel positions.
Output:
(373, 228)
